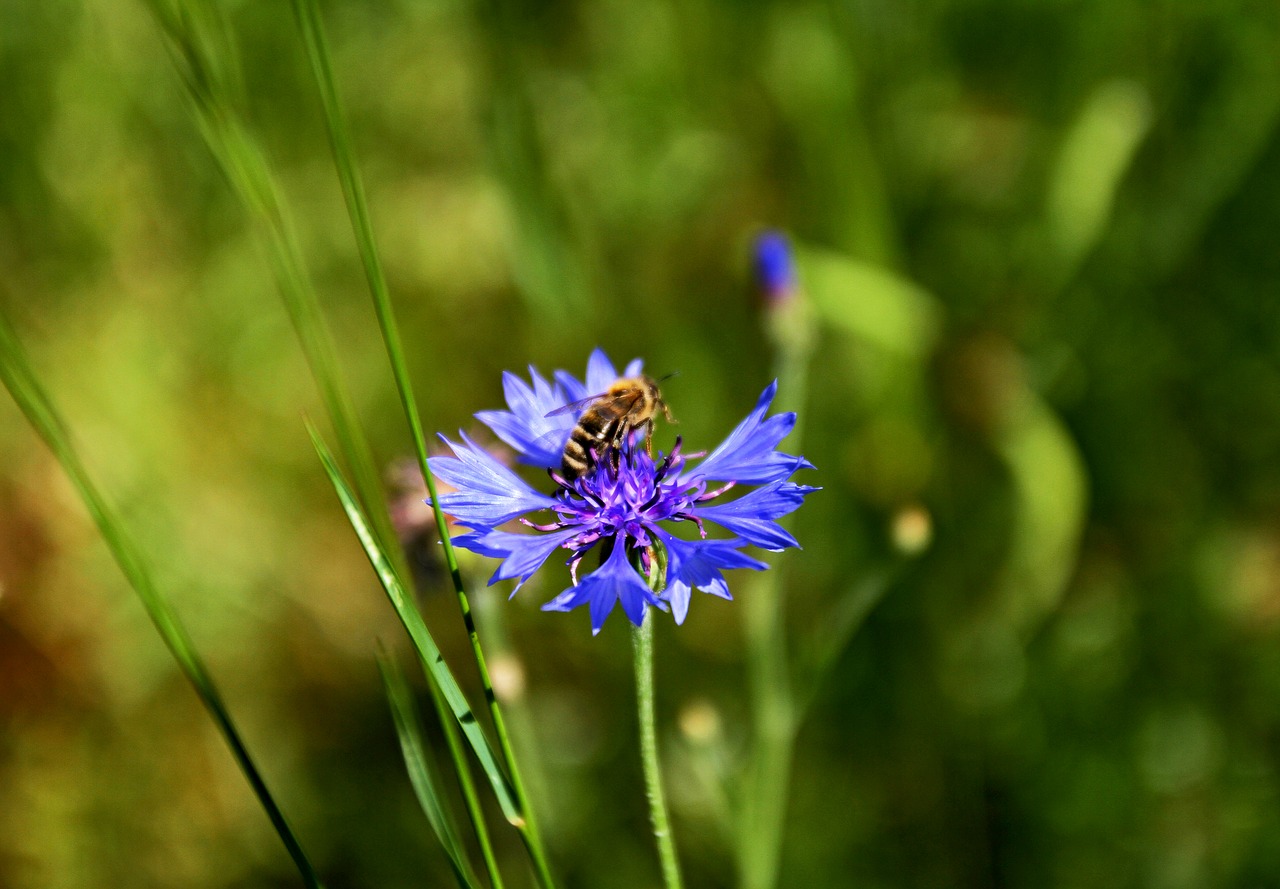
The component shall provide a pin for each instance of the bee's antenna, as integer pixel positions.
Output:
(674, 373)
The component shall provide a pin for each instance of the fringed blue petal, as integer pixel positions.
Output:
(538, 439)
(523, 554)
(696, 564)
(600, 373)
(751, 515)
(748, 454)
(613, 582)
(488, 493)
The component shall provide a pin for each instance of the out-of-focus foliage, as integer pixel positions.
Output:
(1044, 403)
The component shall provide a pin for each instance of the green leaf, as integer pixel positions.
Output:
(870, 302)
(1097, 152)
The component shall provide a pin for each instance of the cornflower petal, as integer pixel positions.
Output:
(697, 563)
(488, 493)
(614, 581)
(751, 515)
(523, 554)
(748, 454)
(600, 373)
(538, 439)
(574, 389)
(541, 448)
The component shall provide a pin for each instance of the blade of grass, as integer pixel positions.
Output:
(20, 379)
(553, 273)
(467, 785)
(195, 43)
(830, 639)
(313, 38)
(423, 774)
(426, 646)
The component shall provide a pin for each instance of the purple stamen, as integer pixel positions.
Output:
(702, 531)
(536, 527)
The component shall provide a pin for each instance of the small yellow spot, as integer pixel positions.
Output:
(912, 529)
(507, 675)
(699, 721)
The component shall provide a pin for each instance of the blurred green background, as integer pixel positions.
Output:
(1038, 247)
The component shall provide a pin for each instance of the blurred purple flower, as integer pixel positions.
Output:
(775, 266)
(625, 503)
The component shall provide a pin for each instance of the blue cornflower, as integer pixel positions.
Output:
(625, 503)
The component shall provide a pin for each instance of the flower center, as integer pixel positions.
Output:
(626, 491)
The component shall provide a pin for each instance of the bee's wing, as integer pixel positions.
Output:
(575, 406)
(551, 442)
(626, 398)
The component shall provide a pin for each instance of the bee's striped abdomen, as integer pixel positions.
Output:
(589, 438)
(629, 404)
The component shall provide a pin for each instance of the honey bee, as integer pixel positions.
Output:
(630, 403)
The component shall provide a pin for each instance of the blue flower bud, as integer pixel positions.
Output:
(775, 266)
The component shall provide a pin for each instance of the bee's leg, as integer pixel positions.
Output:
(666, 412)
(648, 437)
(613, 454)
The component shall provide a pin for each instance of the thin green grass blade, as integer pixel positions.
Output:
(428, 651)
(463, 770)
(313, 38)
(552, 273)
(423, 774)
(203, 54)
(35, 403)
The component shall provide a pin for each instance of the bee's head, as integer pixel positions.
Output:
(650, 386)
(656, 395)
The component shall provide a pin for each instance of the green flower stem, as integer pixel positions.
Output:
(642, 640)
(310, 26)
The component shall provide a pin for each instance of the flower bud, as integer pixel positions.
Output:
(775, 267)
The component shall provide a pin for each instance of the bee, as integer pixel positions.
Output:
(607, 418)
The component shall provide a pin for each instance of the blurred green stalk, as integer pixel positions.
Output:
(312, 30)
(39, 409)
(550, 271)
(204, 56)
(766, 784)
(425, 779)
